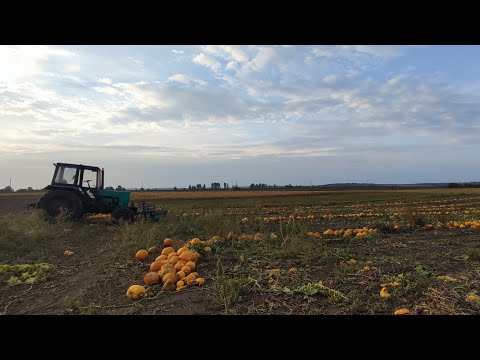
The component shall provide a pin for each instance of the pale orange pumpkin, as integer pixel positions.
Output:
(136, 292)
(167, 242)
(207, 249)
(199, 281)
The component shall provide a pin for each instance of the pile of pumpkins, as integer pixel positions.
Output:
(172, 268)
(359, 233)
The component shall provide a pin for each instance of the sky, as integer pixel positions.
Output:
(180, 115)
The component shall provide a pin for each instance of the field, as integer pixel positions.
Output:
(292, 252)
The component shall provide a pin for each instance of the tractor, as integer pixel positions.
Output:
(78, 190)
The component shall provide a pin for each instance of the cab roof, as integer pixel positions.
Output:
(88, 167)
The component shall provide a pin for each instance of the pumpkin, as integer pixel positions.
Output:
(195, 241)
(190, 279)
(68, 253)
(153, 250)
(230, 236)
(167, 242)
(168, 250)
(156, 266)
(181, 250)
(178, 266)
(258, 237)
(151, 278)
(196, 255)
(191, 265)
(180, 283)
(164, 272)
(136, 292)
(473, 298)
(161, 257)
(169, 276)
(384, 293)
(188, 256)
(174, 259)
(215, 238)
(169, 285)
(172, 254)
(186, 269)
(328, 232)
(179, 288)
(207, 249)
(199, 281)
(167, 266)
(402, 312)
(141, 254)
(181, 274)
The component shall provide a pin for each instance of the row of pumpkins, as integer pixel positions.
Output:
(172, 268)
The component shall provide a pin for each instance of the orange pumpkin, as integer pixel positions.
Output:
(167, 251)
(207, 249)
(180, 283)
(156, 266)
(141, 254)
(187, 256)
(167, 242)
(199, 281)
(230, 236)
(167, 266)
(172, 254)
(174, 260)
(181, 274)
(164, 272)
(181, 250)
(402, 312)
(151, 278)
(191, 265)
(169, 276)
(178, 266)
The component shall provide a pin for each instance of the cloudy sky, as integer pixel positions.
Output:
(180, 115)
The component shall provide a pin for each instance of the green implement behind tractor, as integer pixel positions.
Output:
(78, 190)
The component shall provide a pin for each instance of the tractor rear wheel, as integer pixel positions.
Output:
(57, 201)
(123, 213)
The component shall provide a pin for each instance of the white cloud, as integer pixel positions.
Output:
(207, 61)
(23, 62)
(185, 79)
(178, 52)
(105, 81)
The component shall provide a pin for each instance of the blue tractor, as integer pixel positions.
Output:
(78, 190)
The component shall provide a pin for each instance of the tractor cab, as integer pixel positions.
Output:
(83, 176)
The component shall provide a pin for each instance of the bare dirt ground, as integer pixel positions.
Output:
(16, 203)
(435, 268)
